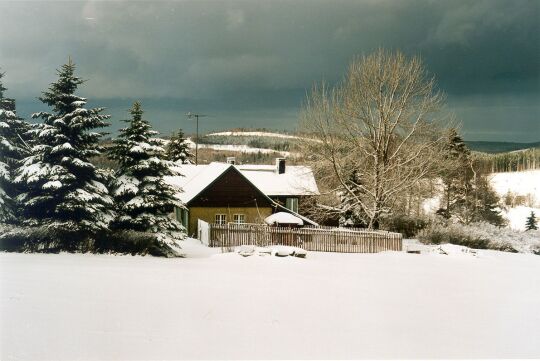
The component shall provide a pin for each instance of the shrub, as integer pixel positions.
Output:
(131, 242)
(481, 235)
(53, 240)
(409, 226)
(43, 239)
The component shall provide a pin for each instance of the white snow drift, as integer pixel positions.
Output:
(332, 306)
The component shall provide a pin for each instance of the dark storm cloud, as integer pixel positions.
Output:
(249, 63)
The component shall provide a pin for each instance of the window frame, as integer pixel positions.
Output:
(236, 218)
(220, 218)
(291, 203)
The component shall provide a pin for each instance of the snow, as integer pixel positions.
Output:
(517, 216)
(194, 178)
(256, 134)
(225, 306)
(525, 183)
(237, 148)
(297, 180)
(52, 185)
(520, 183)
(283, 218)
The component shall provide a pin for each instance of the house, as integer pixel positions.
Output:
(227, 192)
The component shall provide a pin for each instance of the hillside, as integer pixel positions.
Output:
(499, 147)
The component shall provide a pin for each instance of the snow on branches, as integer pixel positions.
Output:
(142, 197)
(12, 149)
(62, 187)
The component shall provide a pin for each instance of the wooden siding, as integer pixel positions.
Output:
(207, 214)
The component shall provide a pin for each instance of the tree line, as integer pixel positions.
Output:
(50, 188)
(516, 161)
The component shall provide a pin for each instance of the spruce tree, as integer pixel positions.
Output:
(65, 191)
(177, 149)
(531, 222)
(142, 196)
(13, 147)
(455, 174)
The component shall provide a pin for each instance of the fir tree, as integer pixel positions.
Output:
(455, 174)
(64, 189)
(143, 198)
(531, 222)
(467, 194)
(13, 147)
(177, 149)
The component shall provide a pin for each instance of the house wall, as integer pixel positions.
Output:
(207, 214)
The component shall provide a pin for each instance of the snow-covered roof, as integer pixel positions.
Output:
(283, 218)
(195, 178)
(296, 181)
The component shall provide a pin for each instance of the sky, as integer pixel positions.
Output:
(251, 63)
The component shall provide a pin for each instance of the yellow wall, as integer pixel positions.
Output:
(207, 214)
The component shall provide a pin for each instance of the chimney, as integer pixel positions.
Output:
(280, 165)
(231, 160)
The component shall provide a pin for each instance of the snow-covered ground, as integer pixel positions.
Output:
(255, 134)
(526, 184)
(225, 306)
(238, 148)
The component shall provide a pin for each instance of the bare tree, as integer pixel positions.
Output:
(378, 132)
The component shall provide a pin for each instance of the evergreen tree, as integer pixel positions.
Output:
(13, 147)
(177, 149)
(531, 222)
(455, 174)
(143, 198)
(64, 190)
(467, 193)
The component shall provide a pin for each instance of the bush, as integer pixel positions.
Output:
(44, 240)
(54, 240)
(131, 242)
(481, 235)
(409, 226)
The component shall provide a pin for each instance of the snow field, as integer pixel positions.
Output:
(526, 183)
(225, 306)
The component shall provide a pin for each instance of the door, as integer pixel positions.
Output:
(203, 232)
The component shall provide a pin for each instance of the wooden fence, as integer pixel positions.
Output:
(323, 239)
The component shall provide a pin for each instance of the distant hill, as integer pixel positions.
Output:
(499, 147)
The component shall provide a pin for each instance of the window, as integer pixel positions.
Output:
(292, 204)
(239, 218)
(221, 218)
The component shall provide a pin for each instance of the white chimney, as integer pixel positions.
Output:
(231, 160)
(280, 165)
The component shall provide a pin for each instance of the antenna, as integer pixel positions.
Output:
(191, 115)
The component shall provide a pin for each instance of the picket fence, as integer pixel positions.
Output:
(323, 239)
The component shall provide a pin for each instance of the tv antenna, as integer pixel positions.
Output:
(191, 115)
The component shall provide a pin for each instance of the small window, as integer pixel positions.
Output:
(221, 218)
(292, 204)
(239, 218)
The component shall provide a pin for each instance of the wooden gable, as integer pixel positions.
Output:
(230, 189)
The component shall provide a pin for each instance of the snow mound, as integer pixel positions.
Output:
(277, 250)
(283, 218)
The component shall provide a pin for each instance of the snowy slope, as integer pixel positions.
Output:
(527, 184)
(520, 183)
(237, 148)
(332, 306)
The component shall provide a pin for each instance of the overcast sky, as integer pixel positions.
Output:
(250, 63)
